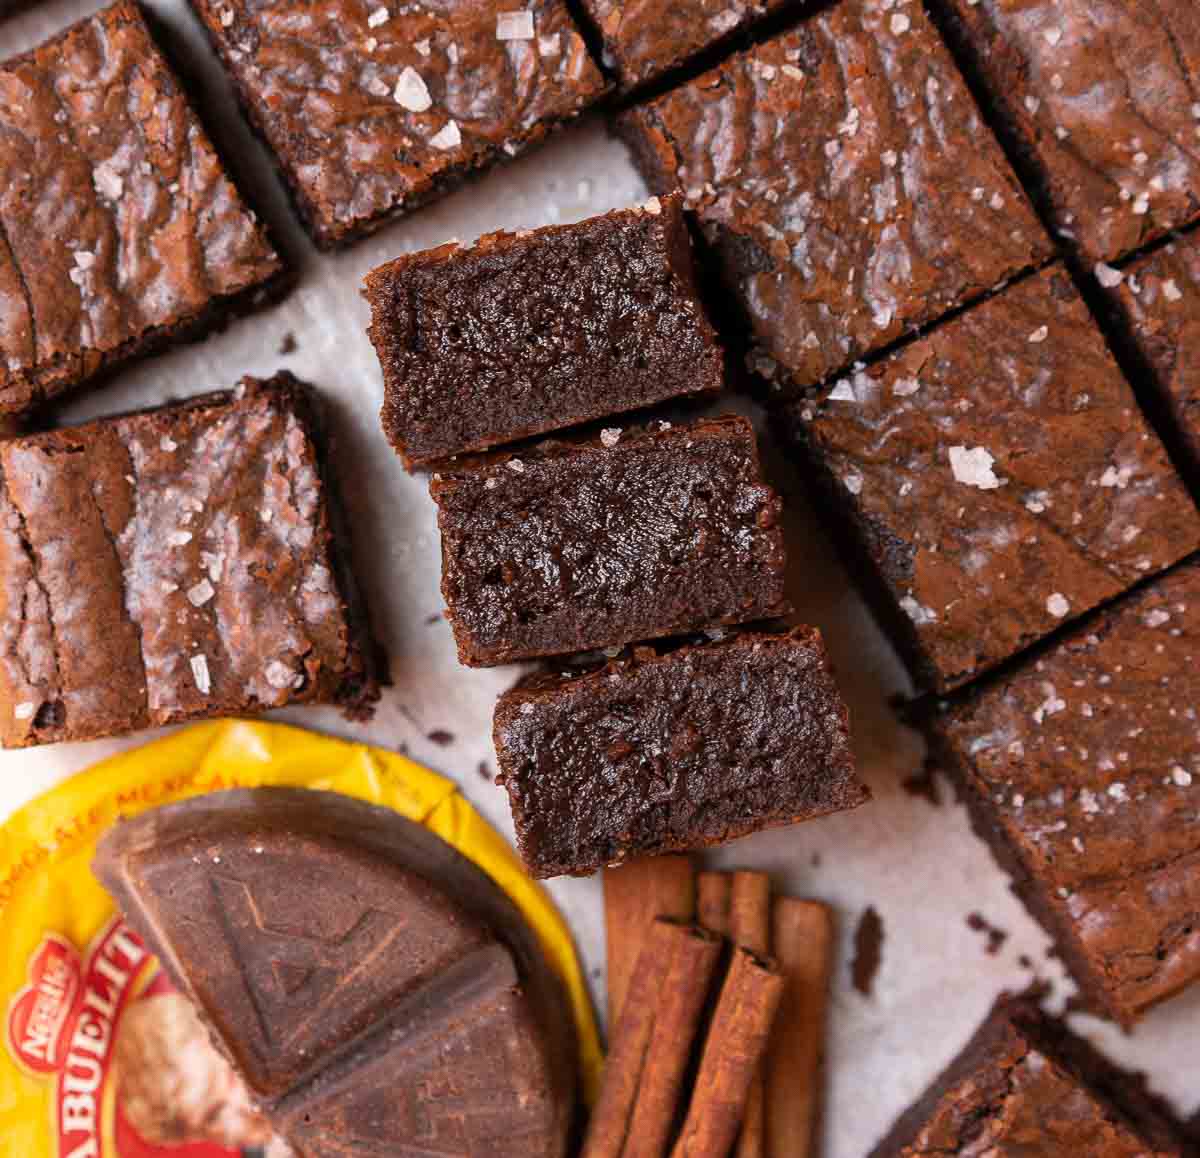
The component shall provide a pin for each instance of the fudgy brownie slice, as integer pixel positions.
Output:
(601, 542)
(529, 332)
(374, 107)
(994, 480)
(172, 565)
(846, 182)
(659, 752)
(119, 229)
(644, 39)
(1102, 99)
(1025, 1085)
(1082, 769)
(1158, 297)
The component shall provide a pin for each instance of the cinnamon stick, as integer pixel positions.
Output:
(737, 1039)
(641, 1093)
(634, 895)
(713, 893)
(802, 942)
(750, 927)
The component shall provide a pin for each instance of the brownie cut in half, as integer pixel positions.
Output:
(645, 39)
(1099, 98)
(173, 565)
(994, 480)
(374, 107)
(654, 753)
(1026, 1085)
(529, 332)
(601, 542)
(1158, 300)
(1081, 768)
(846, 183)
(120, 231)
(403, 1007)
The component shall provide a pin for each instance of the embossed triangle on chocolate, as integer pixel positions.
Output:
(450, 1074)
(319, 935)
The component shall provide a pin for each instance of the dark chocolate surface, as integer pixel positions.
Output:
(999, 478)
(1082, 768)
(119, 228)
(1159, 299)
(172, 565)
(373, 107)
(657, 753)
(847, 183)
(1025, 1087)
(1102, 97)
(375, 989)
(530, 332)
(599, 543)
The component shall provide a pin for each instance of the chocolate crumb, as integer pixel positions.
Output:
(436, 617)
(868, 951)
(441, 736)
(484, 771)
(815, 860)
(1025, 961)
(995, 937)
(288, 345)
(924, 784)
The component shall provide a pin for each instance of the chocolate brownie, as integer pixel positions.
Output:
(529, 332)
(119, 229)
(1025, 1085)
(645, 39)
(373, 107)
(994, 480)
(172, 565)
(601, 542)
(378, 993)
(1082, 768)
(845, 180)
(1101, 99)
(1158, 299)
(655, 753)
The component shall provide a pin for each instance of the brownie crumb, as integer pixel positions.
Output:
(868, 951)
(1025, 961)
(995, 937)
(485, 771)
(288, 344)
(924, 784)
(441, 737)
(815, 860)
(436, 617)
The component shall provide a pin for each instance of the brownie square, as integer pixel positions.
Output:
(845, 180)
(1158, 299)
(994, 479)
(529, 332)
(173, 565)
(606, 541)
(1026, 1085)
(645, 39)
(1082, 768)
(119, 229)
(1100, 97)
(373, 108)
(655, 753)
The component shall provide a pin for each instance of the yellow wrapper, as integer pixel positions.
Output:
(62, 945)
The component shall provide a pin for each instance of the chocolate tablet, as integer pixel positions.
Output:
(376, 991)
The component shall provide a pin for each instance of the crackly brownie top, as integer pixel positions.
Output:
(1002, 474)
(115, 214)
(1104, 96)
(368, 104)
(1023, 1088)
(165, 565)
(848, 182)
(1160, 295)
(676, 750)
(1089, 759)
(531, 331)
(645, 38)
(628, 536)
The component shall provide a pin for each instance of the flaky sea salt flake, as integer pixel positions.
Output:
(1058, 605)
(514, 25)
(973, 467)
(378, 17)
(200, 674)
(447, 137)
(410, 91)
(201, 593)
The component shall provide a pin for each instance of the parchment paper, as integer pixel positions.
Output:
(916, 863)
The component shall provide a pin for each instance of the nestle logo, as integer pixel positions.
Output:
(39, 1014)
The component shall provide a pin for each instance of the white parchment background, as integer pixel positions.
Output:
(917, 864)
